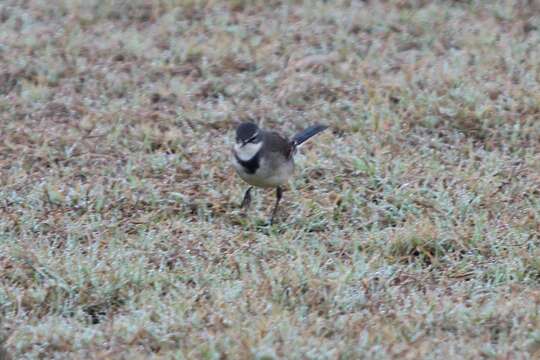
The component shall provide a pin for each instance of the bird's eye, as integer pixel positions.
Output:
(251, 139)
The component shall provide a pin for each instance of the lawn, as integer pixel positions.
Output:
(411, 229)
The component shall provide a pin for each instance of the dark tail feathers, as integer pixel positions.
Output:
(302, 136)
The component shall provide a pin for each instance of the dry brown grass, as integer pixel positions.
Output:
(411, 230)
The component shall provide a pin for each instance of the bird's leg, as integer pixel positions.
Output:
(279, 193)
(247, 198)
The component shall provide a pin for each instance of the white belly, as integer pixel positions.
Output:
(266, 175)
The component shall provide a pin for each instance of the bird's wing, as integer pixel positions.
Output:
(273, 142)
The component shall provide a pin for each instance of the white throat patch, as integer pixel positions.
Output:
(248, 151)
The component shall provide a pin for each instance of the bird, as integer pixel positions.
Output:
(265, 159)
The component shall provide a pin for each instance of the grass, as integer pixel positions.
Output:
(411, 229)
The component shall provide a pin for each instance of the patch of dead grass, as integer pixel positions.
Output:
(410, 231)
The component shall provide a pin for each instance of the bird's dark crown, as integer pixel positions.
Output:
(246, 131)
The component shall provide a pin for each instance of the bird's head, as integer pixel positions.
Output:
(248, 133)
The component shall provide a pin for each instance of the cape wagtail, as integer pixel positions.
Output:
(264, 158)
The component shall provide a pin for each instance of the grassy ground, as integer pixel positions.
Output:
(410, 231)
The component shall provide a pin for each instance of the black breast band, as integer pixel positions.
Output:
(251, 165)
